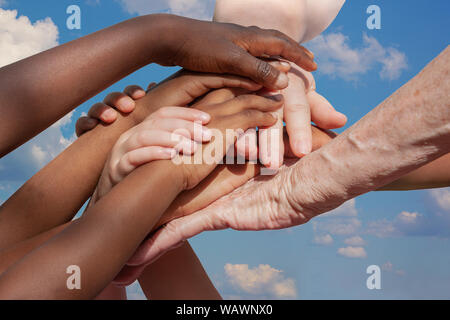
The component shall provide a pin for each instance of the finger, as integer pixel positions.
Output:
(276, 43)
(85, 124)
(138, 157)
(187, 87)
(247, 145)
(148, 138)
(280, 65)
(245, 64)
(271, 147)
(134, 92)
(323, 114)
(297, 115)
(189, 129)
(128, 275)
(249, 101)
(103, 112)
(183, 113)
(252, 118)
(120, 101)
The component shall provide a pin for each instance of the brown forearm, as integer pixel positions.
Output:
(103, 239)
(435, 174)
(162, 280)
(55, 194)
(39, 90)
(13, 254)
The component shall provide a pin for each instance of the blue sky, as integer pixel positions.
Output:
(405, 233)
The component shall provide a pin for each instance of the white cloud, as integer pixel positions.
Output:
(262, 281)
(337, 58)
(198, 9)
(324, 240)
(442, 197)
(408, 217)
(22, 163)
(405, 223)
(341, 221)
(353, 252)
(337, 226)
(20, 38)
(355, 241)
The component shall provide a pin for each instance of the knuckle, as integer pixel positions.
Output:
(263, 69)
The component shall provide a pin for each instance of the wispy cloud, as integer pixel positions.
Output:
(262, 281)
(413, 224)
(20, 38)
(323, 240)
(21, 164)
(352, 252)
(199, 9)
(442, 198)
(337, 58)
(355, 241)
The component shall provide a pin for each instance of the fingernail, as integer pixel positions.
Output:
(309, 53)
(204, 117)
(285, 64)
(342, 115)
(92, 122)
(126, 105)
(206, 134)
(282, 81)
(303, 147)
(109, 114)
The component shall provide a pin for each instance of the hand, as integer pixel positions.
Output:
(178, 90)
(228, 120)
(222, 181)
(302, 105)
(185, 209)
(153, 139)
(105, 111)
(230, 49)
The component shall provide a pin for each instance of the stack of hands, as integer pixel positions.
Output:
(159, 137)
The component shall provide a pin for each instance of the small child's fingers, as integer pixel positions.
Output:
(138, 157)
(188, 129)
(103, 112)
(182, 113)
(134, 92)
(120, 101)
(151, 86)
(85, 124)
(148, 138)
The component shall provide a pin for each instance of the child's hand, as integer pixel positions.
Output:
(157, 138)
(229, 120)
(105, 111)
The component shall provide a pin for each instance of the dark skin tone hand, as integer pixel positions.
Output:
(37, 91)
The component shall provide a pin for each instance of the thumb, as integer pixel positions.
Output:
(172, 235)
